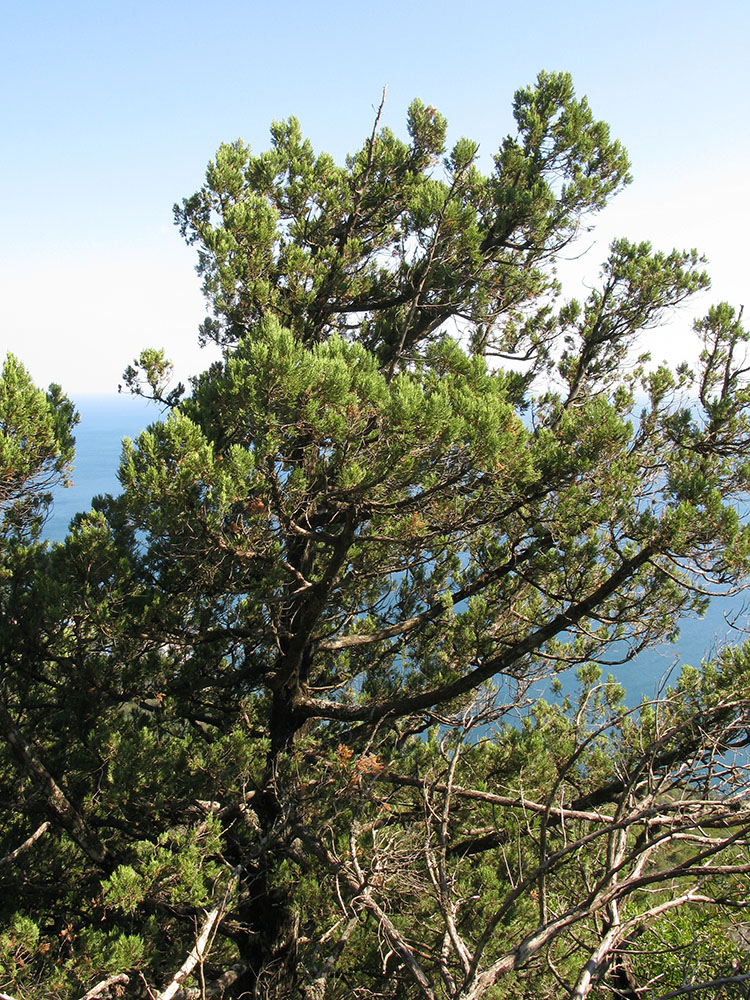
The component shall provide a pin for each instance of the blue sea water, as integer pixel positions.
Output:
(106, 420)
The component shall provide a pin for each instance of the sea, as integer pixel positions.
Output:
(107, 420)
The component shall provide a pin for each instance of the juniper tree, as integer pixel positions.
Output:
(285, 683)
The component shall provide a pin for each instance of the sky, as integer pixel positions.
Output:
(110, 112)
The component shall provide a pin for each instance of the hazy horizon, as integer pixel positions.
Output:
(112, 113)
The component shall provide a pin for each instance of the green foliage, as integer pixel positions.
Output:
(115, 950)
(17, 942)
(177, 868)
(155, 370)
(36, 449)
(695, 945)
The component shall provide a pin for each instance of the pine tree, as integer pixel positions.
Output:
(280, 704)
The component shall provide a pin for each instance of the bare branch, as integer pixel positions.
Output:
(197, 952)
(739, 977)
(217, 988)
(39, 832)
(119, 980)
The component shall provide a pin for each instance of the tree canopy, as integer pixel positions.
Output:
(272, 716)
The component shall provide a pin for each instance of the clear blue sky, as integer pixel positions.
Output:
(110, 112)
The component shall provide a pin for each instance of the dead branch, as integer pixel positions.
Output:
(101, 987)
(216, 988)
(39, 832)
(500, 800)
(213, 918)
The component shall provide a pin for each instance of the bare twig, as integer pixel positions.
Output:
(740, 977)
